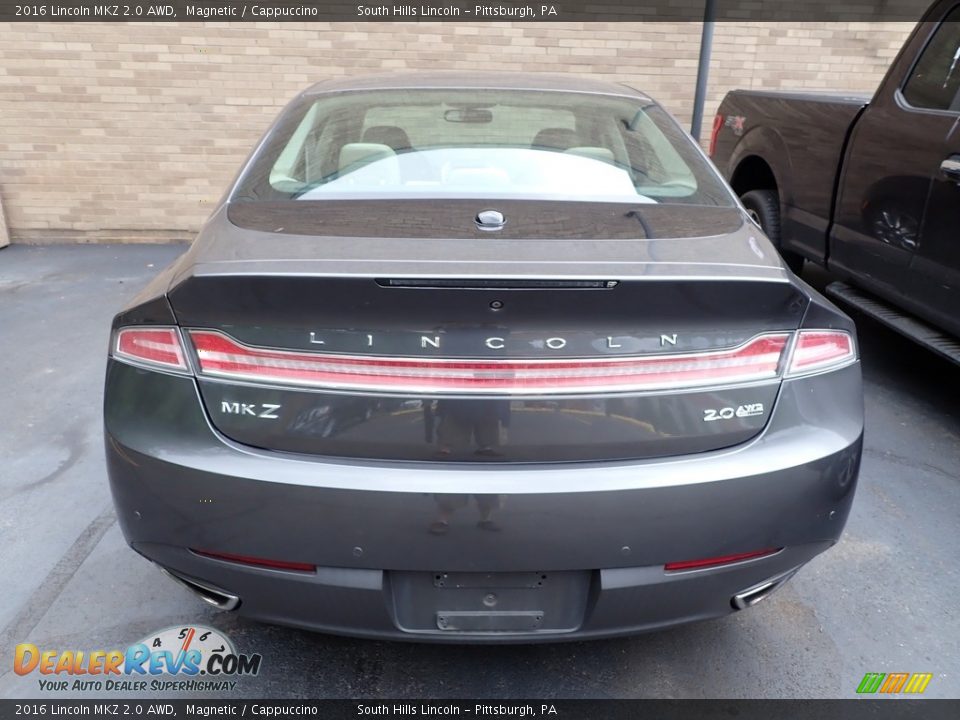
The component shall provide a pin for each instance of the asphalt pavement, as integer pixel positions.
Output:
(885, 599)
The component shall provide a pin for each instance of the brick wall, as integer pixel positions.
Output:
(113, 132)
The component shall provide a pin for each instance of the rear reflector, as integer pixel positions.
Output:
(257, 562)
(719, 560)
(221, 356)
(153, 346)
(818, 350)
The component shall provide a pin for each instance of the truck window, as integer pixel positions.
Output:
(935, 81)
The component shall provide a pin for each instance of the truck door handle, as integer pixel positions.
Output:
(951, 168)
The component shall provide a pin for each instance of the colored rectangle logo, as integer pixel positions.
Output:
(894, 683)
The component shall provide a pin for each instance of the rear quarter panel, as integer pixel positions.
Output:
(801, 138)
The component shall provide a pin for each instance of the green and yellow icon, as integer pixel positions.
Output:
(893, 683)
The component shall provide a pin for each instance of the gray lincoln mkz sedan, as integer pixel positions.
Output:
(479, 358)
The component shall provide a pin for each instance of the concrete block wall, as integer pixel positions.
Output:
(130, 133)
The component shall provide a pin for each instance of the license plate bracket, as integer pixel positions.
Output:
(447, 602)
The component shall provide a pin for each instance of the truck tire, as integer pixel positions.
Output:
(764, 207)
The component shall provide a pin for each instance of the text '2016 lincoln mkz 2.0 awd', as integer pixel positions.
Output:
(481, 358)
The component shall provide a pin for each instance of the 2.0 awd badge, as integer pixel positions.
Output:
(727, 413)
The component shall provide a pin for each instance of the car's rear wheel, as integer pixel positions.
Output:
(764, 207)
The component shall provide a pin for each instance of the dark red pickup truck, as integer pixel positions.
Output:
(867, 186)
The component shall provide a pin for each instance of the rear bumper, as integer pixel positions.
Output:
(606, 529)
(367, 603)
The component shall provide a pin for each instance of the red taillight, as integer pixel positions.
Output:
(817, 350)
(257, 561)
(154, 346)
(714, 134)
(222, 356)
(719, 560)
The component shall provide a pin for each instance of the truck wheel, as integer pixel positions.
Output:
(764, 207)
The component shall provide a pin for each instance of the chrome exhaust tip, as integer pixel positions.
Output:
(216, 597)
(752, 595)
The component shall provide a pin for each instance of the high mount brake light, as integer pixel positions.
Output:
(757, 359)
(155, 346)
(818, 350)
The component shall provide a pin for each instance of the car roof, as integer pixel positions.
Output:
(476, 80)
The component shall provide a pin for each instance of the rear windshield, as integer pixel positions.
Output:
(480, 144)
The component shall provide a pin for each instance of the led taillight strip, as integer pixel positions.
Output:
(221, 356)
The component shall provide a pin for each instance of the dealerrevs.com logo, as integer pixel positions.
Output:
(192, 658)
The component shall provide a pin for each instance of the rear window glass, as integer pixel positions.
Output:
(480, 144)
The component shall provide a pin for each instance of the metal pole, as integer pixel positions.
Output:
(4, 234)
(703, 68)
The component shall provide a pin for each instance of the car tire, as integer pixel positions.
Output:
(764, 207)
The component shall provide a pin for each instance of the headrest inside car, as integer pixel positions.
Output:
(355, 155)
(555, 139)
(389, 135)
(594, 153)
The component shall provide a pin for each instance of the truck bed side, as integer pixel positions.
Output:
(791, 142)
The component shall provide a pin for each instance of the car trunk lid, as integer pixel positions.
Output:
(477, 349)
